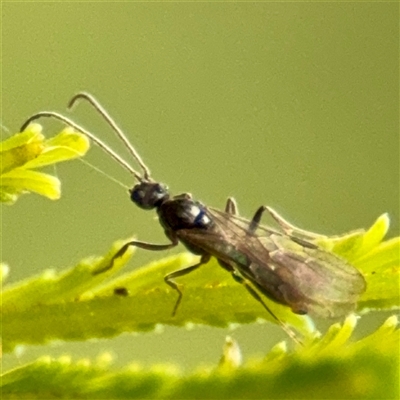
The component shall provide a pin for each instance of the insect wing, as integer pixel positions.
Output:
(329, 286)
(289, 271)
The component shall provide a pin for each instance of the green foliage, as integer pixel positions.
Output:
(77, 304)
(87, 301)
(329, 368)
(378, 260)
(21, 154)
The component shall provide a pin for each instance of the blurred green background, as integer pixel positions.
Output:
(294, 105)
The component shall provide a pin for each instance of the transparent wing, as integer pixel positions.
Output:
(289, 271)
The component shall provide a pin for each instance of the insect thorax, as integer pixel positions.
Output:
(183, 213)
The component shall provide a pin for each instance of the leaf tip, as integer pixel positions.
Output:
(392, 322)
(34, 127)
(4, 271)
(231, 355)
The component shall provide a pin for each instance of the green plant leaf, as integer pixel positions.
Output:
(79, 303)
(25, 151)
(332, 367)
(378, 261)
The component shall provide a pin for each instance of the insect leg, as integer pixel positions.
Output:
(238, 278)
(231, 206)
(256, 219)
(288, 228)
(141, 245)
(169, 279)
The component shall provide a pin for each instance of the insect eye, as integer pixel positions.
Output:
(138, 196)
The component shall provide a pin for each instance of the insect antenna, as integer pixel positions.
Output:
(107, 149)
(100, 109)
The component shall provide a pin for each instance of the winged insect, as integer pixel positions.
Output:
(287, 267)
